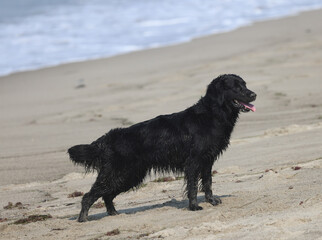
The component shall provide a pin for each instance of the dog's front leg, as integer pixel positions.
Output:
(206, 180)
(191, 175)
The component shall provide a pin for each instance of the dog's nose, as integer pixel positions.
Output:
(253, 95)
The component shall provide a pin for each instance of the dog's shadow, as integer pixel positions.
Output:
(172, 203)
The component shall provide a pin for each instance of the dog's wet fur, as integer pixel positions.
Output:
(187, 142)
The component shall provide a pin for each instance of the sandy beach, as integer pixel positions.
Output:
(269, 179)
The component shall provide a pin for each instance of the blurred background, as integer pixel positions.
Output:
(39, 33)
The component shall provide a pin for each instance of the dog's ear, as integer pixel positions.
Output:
(215, 91)
(221, 97)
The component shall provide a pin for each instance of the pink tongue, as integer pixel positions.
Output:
(249, 106)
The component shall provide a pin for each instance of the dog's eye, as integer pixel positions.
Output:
(238, 88)
(241, 84)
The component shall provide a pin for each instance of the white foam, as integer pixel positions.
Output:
(166, 22)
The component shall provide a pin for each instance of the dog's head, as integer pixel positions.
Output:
(231, 90)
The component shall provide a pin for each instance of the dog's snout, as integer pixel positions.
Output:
(252, 95)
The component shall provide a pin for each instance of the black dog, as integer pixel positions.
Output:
(188, 141)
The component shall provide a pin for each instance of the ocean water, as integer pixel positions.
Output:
(39, 33)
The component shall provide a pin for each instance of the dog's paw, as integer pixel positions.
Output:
(82, 219)
(195, 208)
(214, 200)
(112, 213)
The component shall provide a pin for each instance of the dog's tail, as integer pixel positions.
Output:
(85, 155)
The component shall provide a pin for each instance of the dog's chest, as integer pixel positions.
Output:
(218, 139)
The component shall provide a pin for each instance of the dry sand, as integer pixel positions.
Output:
(269, 179)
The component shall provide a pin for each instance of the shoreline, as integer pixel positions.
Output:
(296, 13)
(163, 46)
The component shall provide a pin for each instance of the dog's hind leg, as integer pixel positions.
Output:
(108, 199)
(87, 201)
(89, 198)
(206, 180)
(191, 175)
